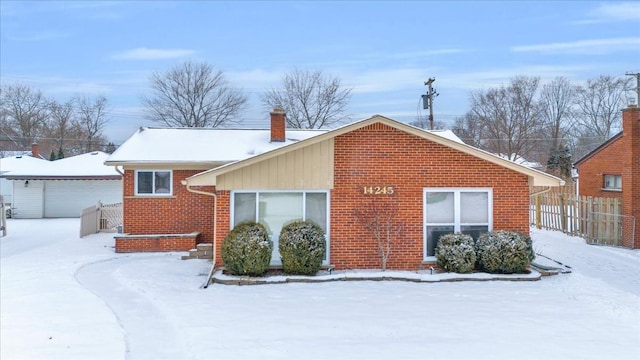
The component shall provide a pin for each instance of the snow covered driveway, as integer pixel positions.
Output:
(62, 297)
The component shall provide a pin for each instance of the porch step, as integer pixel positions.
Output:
(202, 251)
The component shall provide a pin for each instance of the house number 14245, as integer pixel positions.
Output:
(377, 190)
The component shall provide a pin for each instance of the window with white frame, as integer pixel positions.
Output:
(458, 210)
(613, 182)
(153, 182)
(273, 209)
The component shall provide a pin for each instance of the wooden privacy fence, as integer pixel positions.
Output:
(100, 217)
(3, 218)
(598, 220)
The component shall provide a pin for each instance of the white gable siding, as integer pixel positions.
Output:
(67, 198)
(28, 200)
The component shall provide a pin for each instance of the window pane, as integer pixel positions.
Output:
(474, 207)
(433, 235)
(244, 208)
(277, 209)
(145, 182)
(440, 207)
(316, 209)
(163, 182)
(474, 230)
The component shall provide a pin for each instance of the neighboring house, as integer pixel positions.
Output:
(61, 188)
(19, 163)
(613, 168)
(437, 183)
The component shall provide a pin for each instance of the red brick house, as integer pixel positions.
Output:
(613, 168)
(437, 184)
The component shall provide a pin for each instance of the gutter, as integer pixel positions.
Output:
(541, 191)
(215, 227)
(537, 206)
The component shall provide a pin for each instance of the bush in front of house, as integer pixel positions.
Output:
(302, 245)
(246, 250)
(456, 253)
(504, 252)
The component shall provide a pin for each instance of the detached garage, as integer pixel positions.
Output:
(62, 188)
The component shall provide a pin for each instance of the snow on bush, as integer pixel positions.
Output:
(456, 253)
(504, 252)
(246, 250)
(302, 246)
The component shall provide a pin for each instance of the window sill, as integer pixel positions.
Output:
(611, 190)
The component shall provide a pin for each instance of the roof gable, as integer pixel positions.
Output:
(601, 147)
(536, 177)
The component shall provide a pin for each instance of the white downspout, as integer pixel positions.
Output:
(215, 226)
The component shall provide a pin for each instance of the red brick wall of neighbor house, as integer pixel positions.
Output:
(631, 172)
(607, 161)
(182, 213)
(379, 155)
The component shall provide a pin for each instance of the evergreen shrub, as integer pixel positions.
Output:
(302, 245)
(504, 252)
(456, 253)
(246, 250)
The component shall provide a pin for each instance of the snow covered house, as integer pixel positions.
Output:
(61, 188)
(188, 186)
(613, 169)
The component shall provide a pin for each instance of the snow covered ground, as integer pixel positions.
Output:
(62, 297)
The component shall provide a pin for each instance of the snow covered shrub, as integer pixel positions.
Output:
(246, 250)
(456, 253)
(504, 252)
(302, 246)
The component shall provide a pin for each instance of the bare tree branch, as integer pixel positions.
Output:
(91, 116)
(192, 95)
(310, 99)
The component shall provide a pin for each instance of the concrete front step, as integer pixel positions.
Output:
(202, 251)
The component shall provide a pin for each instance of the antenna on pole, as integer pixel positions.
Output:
(637, 89)
(427, 100)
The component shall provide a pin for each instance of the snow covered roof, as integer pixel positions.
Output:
(84, 166)
(151, 145)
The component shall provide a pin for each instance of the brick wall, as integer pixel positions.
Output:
(182, 213)
(379, 155)
(127, 244)
(607, 161)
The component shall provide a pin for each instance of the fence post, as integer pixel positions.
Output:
(538, 221)
(589, 218)
(563, 215)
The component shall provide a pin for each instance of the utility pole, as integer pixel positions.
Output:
(637, 89)
(427, 100)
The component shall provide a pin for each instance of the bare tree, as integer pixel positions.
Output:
(380, 219)
(599, 102)
(91, 117)
(24, 113)
(510, 117)
(193, 95)
(60, 124)
(310, 99)
(469, 129)
(558, 98)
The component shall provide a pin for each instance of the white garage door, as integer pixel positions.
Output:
(27, 200)
(67, 198)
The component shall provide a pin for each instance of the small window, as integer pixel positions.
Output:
(153, 182)
(613, 182)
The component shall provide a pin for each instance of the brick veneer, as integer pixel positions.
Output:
(182, 213)
(152, 243)
(379, 155)
(619, 156)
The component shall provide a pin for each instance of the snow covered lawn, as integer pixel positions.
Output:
(62, 297)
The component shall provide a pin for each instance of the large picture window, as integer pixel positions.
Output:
(447, 211)
(274, 209)
(153, 182)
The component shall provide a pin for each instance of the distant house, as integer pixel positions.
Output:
(613, 168)
(183, 186)
(62, 188)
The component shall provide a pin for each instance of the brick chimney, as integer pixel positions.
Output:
(631, 166)
(34, 151)
(278, 124)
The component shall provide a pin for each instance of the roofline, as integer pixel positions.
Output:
(62, 177)
(599, 148)
(169, 164)
(549, 180)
